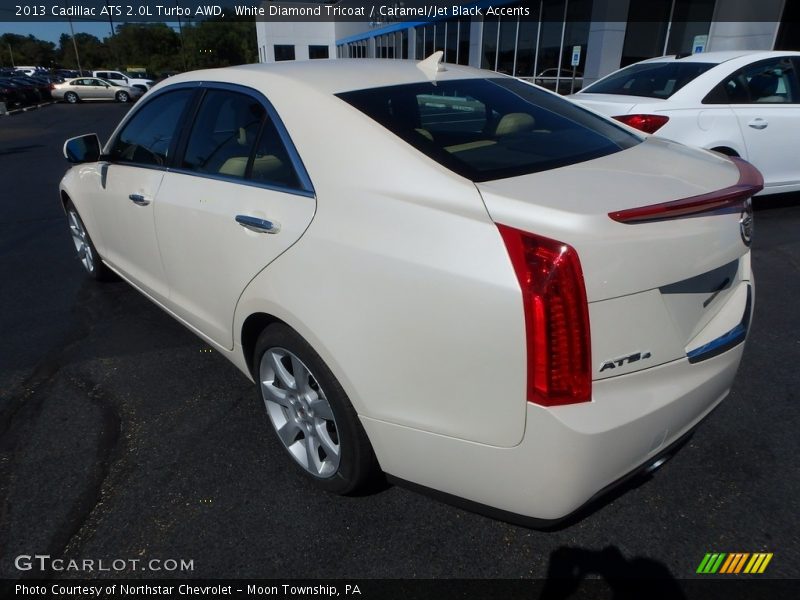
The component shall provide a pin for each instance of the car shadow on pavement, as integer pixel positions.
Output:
(776, 201)
(18, 149)
(606, 573)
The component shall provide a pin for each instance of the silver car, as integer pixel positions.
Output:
(94, 88)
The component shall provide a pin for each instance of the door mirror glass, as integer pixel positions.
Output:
(82, 149)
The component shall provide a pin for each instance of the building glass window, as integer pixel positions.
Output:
(690, 18)
(576, 33)
(526, 48)
(315, 52)
(651, 21)
(428, 40)
(419, 41)
(439, 36)
(549, 54)
(404, 43)
(451, 45)
(508, 43)
(789, 31)
(489, 46)
(646, 30)
(284, 52)
(463, 41)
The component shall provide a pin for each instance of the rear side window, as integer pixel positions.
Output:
(271, 163)
(650, 80)
(233, 136)
(486, 129)
(773, 81)
(224, 134)
(148, 137)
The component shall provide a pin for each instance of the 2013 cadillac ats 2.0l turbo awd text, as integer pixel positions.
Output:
(439, 273)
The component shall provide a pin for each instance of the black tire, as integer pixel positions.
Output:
(71, 97)
(123, 97)
(357, 465)
(94, 267)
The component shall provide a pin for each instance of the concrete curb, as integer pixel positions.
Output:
(24, 109)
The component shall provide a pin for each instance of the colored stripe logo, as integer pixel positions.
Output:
(734, 563)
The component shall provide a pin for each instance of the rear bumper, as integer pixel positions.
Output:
(595, 501)
(569, 454)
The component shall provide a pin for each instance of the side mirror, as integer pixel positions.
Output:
(82, 149)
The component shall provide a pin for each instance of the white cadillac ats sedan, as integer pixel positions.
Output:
(739, 103)
(440, 273)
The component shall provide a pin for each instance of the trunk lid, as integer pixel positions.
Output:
(657, 289)
(612, 105)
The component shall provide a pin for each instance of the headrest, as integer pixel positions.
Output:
(515, 123)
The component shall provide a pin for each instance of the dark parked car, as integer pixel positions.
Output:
(11, 96)
(42, 85)
(30, 94)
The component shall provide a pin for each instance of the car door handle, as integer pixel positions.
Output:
(258, 225)
(139, 199)
(758, 123)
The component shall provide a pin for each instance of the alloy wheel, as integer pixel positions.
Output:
(300, 412)
(81, 240)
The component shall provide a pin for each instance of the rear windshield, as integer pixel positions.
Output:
(487, 129)
(651, 80)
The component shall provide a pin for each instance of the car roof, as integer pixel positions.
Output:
(721, 56)
(330, 76)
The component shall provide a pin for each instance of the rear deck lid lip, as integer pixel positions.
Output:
(750, 183)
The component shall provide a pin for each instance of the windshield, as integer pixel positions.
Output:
(487, 129)
(650, 80)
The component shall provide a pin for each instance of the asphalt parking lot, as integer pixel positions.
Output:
(123, 436)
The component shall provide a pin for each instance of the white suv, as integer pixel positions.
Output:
(118, 77)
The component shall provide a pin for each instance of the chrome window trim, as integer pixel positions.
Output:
(243, 181)
(306, 187)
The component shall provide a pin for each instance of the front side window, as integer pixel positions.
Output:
(486, 129)
(772, 81)
(650, 80)
(148, 137)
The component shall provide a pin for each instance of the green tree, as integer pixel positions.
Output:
(94, 53)
(220, 42)
(154, 46)
(27, 50)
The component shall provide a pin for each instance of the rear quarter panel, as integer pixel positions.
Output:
(401, 283)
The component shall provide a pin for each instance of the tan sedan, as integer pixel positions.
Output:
(94, 88)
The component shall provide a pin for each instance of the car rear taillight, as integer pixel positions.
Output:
(557, 336)
(646, 123)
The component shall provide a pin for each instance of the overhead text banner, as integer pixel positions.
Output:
(376, 13)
